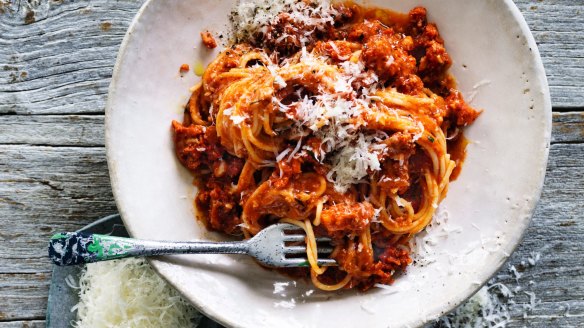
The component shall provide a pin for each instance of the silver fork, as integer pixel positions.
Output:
(269, 247)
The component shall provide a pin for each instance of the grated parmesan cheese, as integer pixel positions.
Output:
(329, 116)
(128, 293)
(280, 287)
(286, 304)
(487, 308)
(250, 17)
(237, 119)
(352, 163)
(475, 89)
(534, 258)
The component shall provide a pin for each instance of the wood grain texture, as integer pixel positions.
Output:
(56, 61)
(58, 56)
(558, 28)
(28, 299)
(44, 190)
(568, 127)
(23, 324)
(52, 130)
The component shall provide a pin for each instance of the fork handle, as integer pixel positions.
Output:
(72, 248)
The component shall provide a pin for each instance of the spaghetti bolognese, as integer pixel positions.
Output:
(337, 118)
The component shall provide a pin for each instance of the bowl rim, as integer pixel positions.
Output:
(216, 315)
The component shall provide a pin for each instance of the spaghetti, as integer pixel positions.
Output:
(336, 118)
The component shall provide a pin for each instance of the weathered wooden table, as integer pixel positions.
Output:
(56, 60)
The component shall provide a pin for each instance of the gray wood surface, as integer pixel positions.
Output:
(56, 60)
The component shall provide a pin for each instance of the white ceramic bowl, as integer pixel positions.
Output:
(496, 63)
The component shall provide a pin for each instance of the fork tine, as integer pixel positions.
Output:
(302, 249)
(290, 227)
(299, 235)
(294, 249)
(269, 247)
(326, 262)
(294, 237)
(303, 262)
(301, 238)
(325, 250)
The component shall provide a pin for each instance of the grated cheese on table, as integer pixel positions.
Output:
(128, 293)
(487, 308)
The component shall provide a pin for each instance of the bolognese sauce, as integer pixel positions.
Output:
(338, 118)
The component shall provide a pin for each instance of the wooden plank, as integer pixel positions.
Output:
(558, 28)
(24, 296)
(568, 127)
(57, 57)
(23, 324)
(61, 61)
(53, 130)
(44, 190)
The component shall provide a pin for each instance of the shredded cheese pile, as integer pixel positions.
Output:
(330, 116)
(252, 16)
(128, 293)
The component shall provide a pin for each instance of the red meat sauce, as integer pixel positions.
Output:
(198, 148)
(404, 50)
(208, 40)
